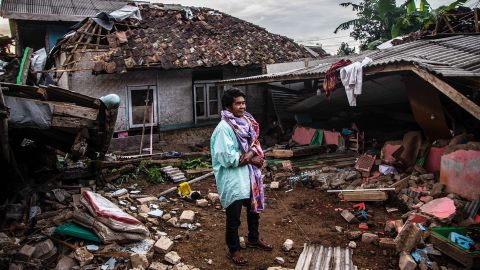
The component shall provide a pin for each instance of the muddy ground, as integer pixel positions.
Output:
(311, 209)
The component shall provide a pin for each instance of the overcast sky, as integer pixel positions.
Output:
(306, 21)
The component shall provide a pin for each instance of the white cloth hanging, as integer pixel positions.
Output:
(352, 78)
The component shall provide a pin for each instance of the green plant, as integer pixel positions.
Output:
(194, 164)
(383, 20)
(154, 174)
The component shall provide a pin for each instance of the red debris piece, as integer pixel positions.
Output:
(365, 163)
(360, 206)
(363, 226)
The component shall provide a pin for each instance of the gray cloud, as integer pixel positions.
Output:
(310, 21)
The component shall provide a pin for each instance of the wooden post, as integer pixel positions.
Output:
(475, 18)
(144, 119)
(4, 129)
(449, 91)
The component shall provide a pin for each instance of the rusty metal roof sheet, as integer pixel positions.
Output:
(456, 56)
(57, 10)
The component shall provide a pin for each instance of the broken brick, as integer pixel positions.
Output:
(369, 238)
(406, 262)
(163, 245)
(348, 216)
(187, 216)
(387, 243)
(172, 257)
(408, 238)
(26, 252)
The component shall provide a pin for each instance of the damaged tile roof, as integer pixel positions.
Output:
(173, 37)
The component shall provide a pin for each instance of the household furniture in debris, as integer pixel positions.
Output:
(356, 142)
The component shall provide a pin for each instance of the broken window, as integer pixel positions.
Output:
(142, 105)
(206, 97)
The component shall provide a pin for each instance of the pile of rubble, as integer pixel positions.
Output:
(84, 227)
(436, 220)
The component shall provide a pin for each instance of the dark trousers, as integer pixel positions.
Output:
(233, 222)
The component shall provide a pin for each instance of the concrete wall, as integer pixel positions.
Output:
(174, 91)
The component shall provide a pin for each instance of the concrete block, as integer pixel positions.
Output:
(352, 245)
(369, 238)
(65, 263)
(26, 252)
(163, 245)
(147, 200)
(173, 221)
(243, 244)
(275, 185)
(408, 238)
(143, 208)
(213, 197)
(387, 243)
(15, 266)
(43, 248)
(172, 257)
(202, 203)
(348, 216)
(287, 245)
(187, 216)
(158, 266)
(83, 256)
(352, 235)
(139, 261)
(406, 262)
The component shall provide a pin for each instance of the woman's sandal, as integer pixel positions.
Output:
(237, 258)
(260, 244)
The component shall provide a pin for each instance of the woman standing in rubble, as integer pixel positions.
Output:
(236, 160)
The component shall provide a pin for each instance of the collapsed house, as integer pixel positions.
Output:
(167, 54)
(40, 24)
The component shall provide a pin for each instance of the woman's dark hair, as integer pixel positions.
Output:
(230, 95)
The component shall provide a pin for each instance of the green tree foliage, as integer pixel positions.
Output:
(381, 20)
(344, 49)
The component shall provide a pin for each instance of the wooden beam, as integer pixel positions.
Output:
(440, 84)
(75, 111)
(450, 92)
(71, 122)
(370, 196)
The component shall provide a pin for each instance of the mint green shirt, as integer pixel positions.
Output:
(233, 181)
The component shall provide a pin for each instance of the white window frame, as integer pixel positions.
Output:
(129, 90)
(206, 100)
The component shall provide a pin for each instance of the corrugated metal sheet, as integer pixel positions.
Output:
(56, 10)
(318, 257)
(456, 56)
(471, 208)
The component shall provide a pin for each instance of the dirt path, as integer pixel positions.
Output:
(312, 209)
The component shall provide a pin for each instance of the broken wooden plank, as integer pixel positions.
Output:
(400, 184)
(368, 196)
(71, 122)
(280, 153)
(441, 85)
(75, 111)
